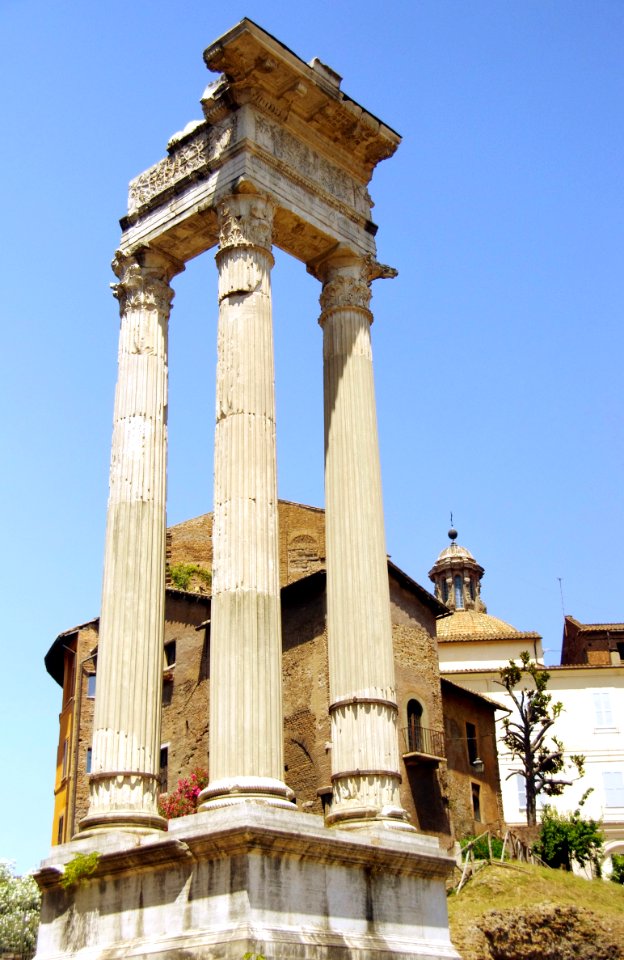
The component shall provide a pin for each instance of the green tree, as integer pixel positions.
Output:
(565, 837)
(529, 737)
(20, 901)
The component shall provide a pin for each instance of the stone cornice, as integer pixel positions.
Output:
(261, 70)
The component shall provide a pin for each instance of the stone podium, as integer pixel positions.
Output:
(282, 158)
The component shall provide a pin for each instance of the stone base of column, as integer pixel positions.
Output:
(250, 880)
(229, 790)
(125, 820)
(360, 818)
(137, 812)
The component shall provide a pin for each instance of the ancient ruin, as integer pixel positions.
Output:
(282, 157)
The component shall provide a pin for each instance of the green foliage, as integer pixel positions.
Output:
(253, 956)
(182, 573)
(565, 837)
(528, 735)
(617, 867)
(20, 901)
(81, 867)
(183, 800)
(481, 849)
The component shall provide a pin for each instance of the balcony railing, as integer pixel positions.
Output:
(423, 741)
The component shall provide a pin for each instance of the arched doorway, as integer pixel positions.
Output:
(414, 726)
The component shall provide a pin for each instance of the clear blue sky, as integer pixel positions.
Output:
(497, 350)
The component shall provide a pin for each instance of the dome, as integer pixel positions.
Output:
(455, 551)
(474, 625)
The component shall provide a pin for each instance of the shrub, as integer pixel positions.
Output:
(79, 868)
(20, 901)
(183, 800)
(565, 837)
(182, 573)
(617, 867)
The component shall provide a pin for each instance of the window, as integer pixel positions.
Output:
(167, 691)
(414, 726)
(471, 740)
(459, 592)
(476, 801)
(613, 782)
(521, 785)
(89, 759)
(164, 769)
(472, 589)
(603, 714)
(170, 653)
(620, 650)
(445, 591)
(540, 800)
(70, 675)
(61, 829)
(65, 757)
(91, 686)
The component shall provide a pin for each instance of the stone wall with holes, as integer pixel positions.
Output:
(184, 729)
(301, 539)
(306, 691)
(423, 788)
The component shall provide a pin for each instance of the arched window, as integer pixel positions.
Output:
(414, 726)
(445, 592)
(472, 589)
(459, 592)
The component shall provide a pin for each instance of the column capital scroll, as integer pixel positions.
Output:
(345, 291)
(144, 280)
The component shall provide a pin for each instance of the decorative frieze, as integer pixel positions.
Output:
(190, 155)
(311, 165)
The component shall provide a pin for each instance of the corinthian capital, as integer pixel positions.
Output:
(345, 291)
(144, 280)
(245, 220)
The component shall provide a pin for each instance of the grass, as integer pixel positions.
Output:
(520, 886)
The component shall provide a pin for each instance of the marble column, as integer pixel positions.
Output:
(126, 739)
(365, 758)
(246, 727)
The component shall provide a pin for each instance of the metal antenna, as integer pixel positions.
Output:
(561, 592)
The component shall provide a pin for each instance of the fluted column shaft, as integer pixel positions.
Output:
(126, 737)
(246, 731)
(365, 760)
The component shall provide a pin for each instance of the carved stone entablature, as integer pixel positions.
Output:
(305, 162)
(144, 281)
(245, 220)
(261, 70)
(188, 155)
